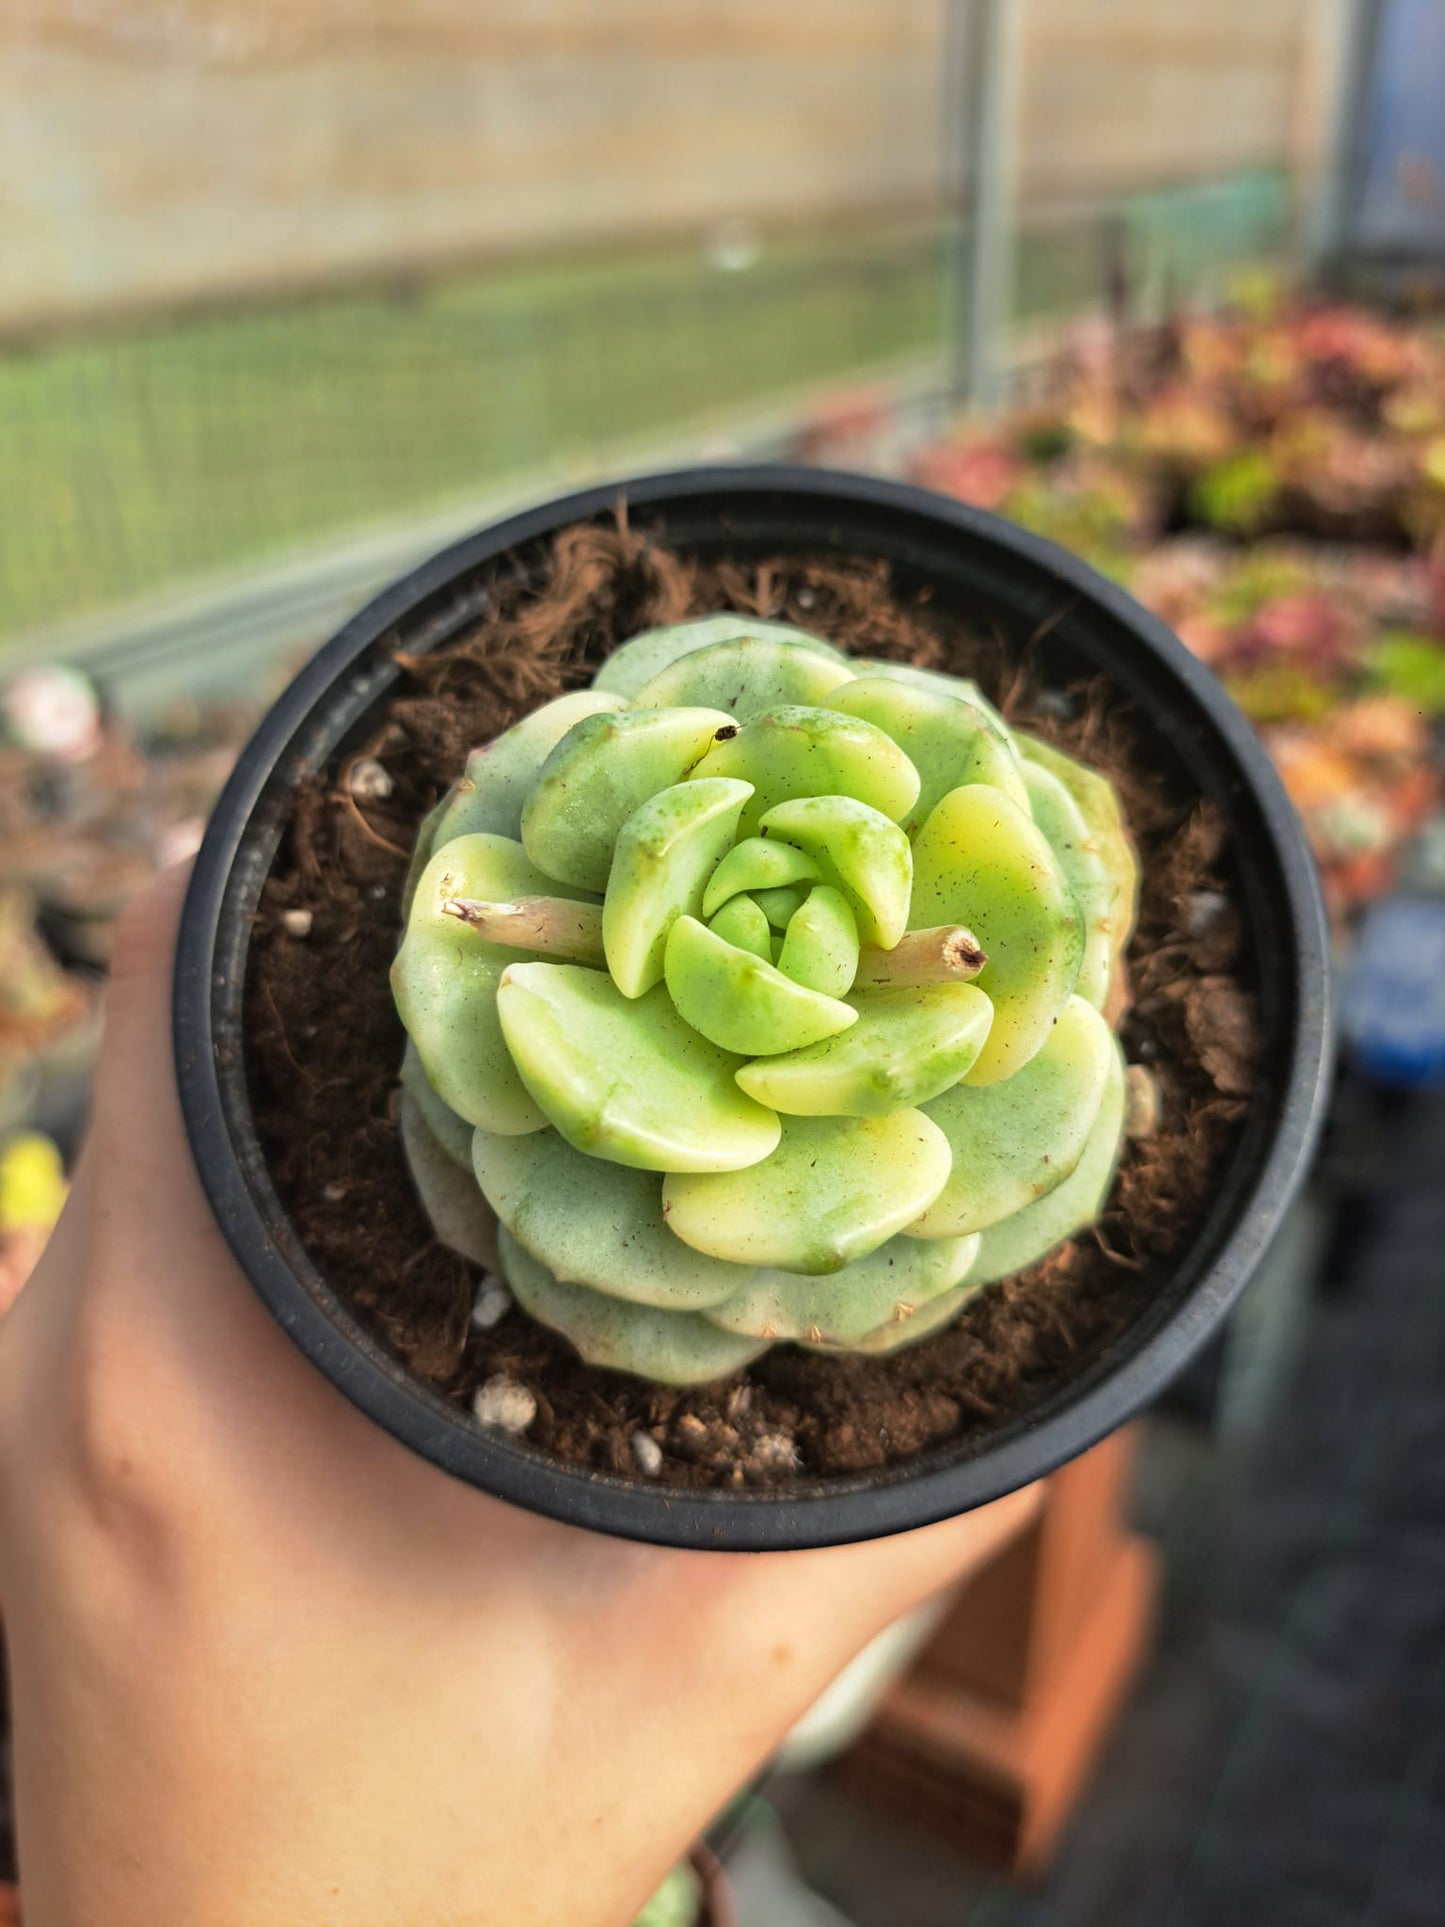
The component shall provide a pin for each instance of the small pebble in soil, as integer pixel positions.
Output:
(494, 1301)
(334, 1193)
(689, 1435)
(370, 782)
(648, 1454)
(1202, 908)
(739, 1399)
(504, 1405)
(297, 923)
(806, 598)
(1144, 1106)
(773, 1452)
(1057, 703)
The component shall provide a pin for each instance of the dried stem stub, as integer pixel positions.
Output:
(556, 926)
(947, 954)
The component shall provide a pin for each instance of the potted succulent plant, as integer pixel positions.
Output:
(702, 1058)
(757, 1169)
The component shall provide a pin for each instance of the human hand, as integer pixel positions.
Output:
(269, 1669)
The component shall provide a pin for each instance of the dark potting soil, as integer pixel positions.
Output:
(324, 1041)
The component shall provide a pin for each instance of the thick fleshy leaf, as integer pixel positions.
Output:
(961, 688)
(422, 850)
(898, 1334)
(948, 741)
(625, 1078)
(666, 851)
(1013, 1244)
(445, 981)
(1015, 1140)
(499, 774)
(789, 752)
(858, 849)
(1099, 806)
(980, 861)
(597, 1224)
(742, 923)
(669, 1347)
(756, 864)
(820, 948)
(460, 1215)
(1085, 872)
(745, 677)
(599, 773)
(780, 906)
(636, 662)
(451, 1132)
(835, 1189)
(886, 1287)
(738, 1001)
(907, 1046)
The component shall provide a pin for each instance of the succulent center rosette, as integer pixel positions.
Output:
(756, 994)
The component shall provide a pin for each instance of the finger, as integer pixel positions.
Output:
(880, 1580)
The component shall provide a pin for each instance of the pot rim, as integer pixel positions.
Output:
(215, 1106)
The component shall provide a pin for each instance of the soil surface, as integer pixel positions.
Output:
(324, 1042)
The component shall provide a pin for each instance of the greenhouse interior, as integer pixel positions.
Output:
(1082, 361)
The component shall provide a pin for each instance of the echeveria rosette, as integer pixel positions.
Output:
(755, 995)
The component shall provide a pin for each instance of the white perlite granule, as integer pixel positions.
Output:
(648, 1454)
(773, 1452)
(494, 1301)
(370, 781)
(1144, 1104)
(504, 1404)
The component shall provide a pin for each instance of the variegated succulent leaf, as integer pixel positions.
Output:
(753, 996)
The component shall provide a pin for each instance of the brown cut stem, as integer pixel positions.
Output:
(554, 925)
(947, 954)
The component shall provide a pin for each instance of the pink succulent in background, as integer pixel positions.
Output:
(1312, 625)
(982, 473)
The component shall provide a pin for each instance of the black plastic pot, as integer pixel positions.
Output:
(990, 574)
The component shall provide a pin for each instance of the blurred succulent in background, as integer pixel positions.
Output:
(761, 994)
(676, 1902)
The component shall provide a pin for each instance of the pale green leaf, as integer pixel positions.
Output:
(445, 978)
(637, 661)
(790, 752)
(625, 1078)
(948, 741)
(490, 795)
(742, 922)
(907, 1046)
(820, 949)
(981, 862)
(668, 1347)
(459, 1214)
(835, 1189)
(666, 851)
(740, 1002)
(756, 864)
(1015, 1140)
(857, 849)
(597, 1224)
(1013, 1244)
(886, 1287)
(599, 773)
(746, 676)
